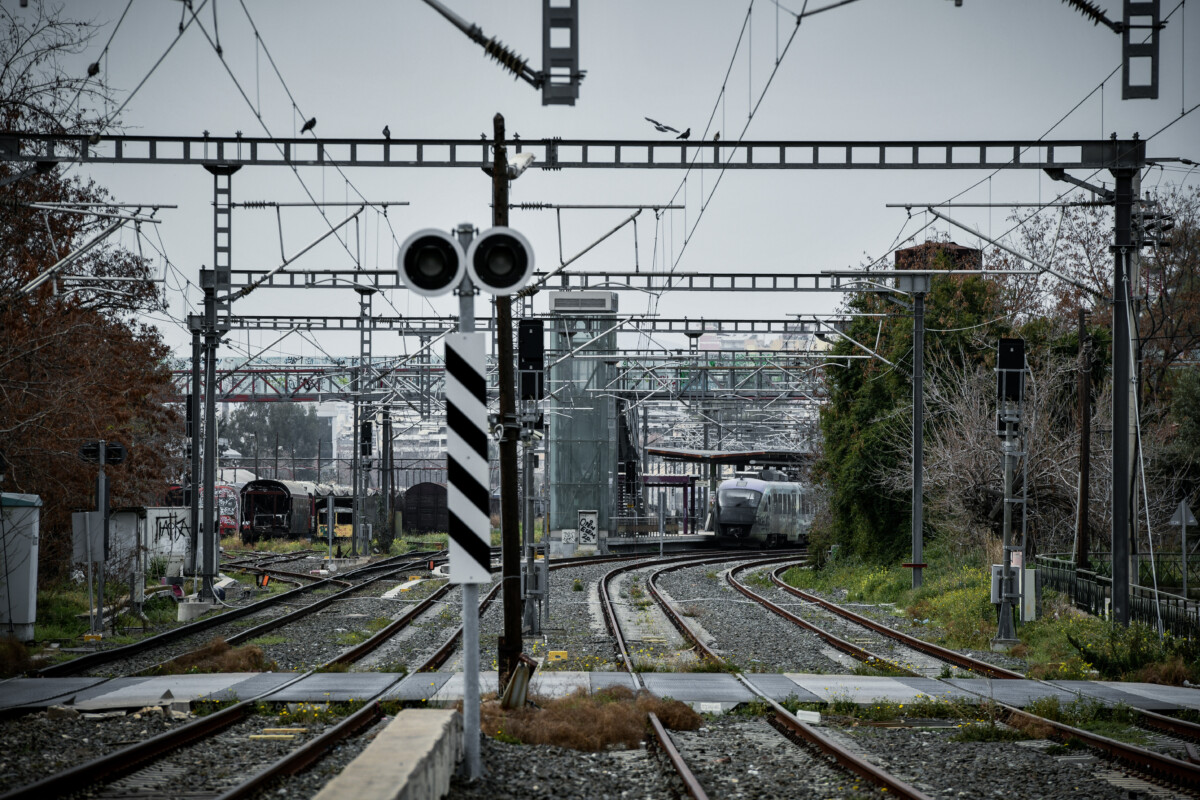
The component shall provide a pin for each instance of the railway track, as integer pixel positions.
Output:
(212, 625)
(1179, 728)
(693, 786)
(1154, 766)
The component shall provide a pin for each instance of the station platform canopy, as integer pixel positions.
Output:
(736, 458)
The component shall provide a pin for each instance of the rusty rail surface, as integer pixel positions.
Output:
(942, 653)
(690, 783)
(1146, 718)
(307, 754)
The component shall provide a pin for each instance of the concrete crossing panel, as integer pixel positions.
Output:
(43, 692)
(335, 687)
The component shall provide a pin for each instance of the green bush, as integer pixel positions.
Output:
(1118, 652)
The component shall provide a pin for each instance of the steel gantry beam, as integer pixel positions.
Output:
(617, 280)
(556, 153)
(686, 375)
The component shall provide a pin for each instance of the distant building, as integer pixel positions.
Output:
(939, 255)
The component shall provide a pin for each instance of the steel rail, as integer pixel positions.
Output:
(610, 616)
(310, 752)
(289, 574)
(442, 653)
(1177, 772)
(115, 765)
(359, 651)
(801, 732)
(292, 616)
(1150, 719)
(691, 783)
(91, 660)
(941, 653)
(851, 649)
(790, 724)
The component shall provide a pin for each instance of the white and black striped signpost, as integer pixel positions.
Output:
(467, 494)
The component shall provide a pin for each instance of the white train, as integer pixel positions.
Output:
(761, 512)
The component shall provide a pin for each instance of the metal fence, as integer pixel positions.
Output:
(1091, 591)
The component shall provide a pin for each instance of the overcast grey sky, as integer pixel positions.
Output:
(874, 69)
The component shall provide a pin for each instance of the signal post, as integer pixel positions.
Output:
(498, 261)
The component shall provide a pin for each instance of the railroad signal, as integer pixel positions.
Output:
(432, 262)
(111, 453)
(500, 260)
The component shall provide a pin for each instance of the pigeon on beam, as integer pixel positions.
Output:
(685, 134)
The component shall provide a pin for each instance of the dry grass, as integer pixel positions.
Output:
(219, 656)
(14, 658)
(1171, 672)
(603, 720)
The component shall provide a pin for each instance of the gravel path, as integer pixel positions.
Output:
(1013, 771)
(736, 757)
(743, 631)
(553, 773)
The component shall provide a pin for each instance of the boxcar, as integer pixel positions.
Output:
(425, 509)
(274, 509)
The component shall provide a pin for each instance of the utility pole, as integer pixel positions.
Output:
(917, 285)
(1122, 368)
(510, 644)
(1082, 560)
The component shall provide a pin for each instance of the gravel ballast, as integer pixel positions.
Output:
(741, 630)
(1010, 770)
(554, 773)
(739, 757)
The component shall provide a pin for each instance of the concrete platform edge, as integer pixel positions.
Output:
(413, 758)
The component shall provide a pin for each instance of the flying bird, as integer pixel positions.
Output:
(685, 134)
(308, 126)
(661, 128)
(387, 132)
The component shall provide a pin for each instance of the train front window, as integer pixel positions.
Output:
(739, 498)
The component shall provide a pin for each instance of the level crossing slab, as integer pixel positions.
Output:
(780, 687)
(706, 691)
(1011, 692)
(43, 692)
(335, 687)
(1179, 696)
(418, 687)
(98, 694)
(1113, 693)
(154, 691)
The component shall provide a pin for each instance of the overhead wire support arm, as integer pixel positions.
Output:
(1044, 268)
(270, 273)
(67, 259)
(492, 46)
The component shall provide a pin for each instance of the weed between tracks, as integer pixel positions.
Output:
(607, 719)
(219, 656)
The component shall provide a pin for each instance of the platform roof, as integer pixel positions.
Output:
(741, 458)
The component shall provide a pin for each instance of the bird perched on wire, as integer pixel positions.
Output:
(685, 134)
(387, 132)
(660, 127)
(308, 126)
